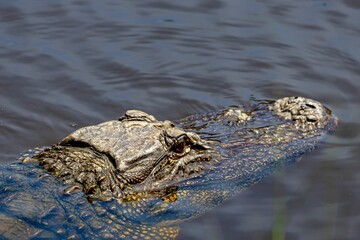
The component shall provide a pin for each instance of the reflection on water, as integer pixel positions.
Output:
(69, 64)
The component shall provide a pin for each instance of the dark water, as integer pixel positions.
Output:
(67, 64)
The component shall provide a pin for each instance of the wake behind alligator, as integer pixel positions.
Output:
(138, 178)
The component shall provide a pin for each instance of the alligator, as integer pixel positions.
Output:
(139, 178)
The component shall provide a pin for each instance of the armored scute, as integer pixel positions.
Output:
(138, 177)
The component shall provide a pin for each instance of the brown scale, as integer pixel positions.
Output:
(80, 169)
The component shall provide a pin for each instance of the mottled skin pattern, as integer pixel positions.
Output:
(138, 178)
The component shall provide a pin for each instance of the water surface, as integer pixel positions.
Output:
(67, 64)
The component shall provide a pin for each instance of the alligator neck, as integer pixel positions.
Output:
(82, 169)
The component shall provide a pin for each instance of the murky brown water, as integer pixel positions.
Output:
(67, 64)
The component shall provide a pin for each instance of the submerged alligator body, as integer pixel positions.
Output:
(138, 178)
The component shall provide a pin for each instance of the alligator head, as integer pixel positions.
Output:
(194, 163)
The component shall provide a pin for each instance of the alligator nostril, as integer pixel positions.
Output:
(310, 106)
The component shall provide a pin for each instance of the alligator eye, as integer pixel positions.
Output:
(180, 144)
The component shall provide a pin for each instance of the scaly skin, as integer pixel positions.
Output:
(139, 177)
